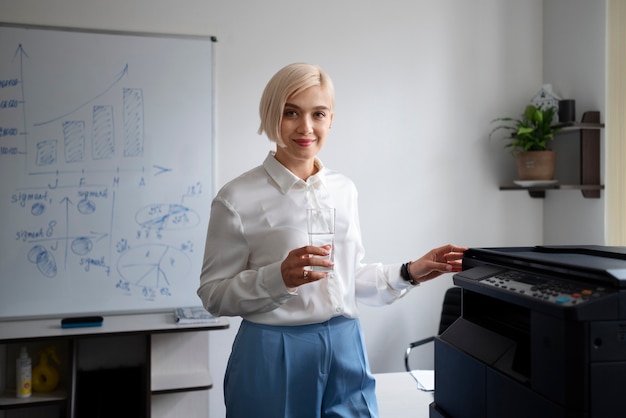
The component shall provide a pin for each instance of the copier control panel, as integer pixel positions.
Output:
(564, 293)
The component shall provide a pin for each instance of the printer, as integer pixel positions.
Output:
(542, 334)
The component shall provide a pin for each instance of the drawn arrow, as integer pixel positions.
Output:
(161, 170)
(118, 77)
(67, 202)
(97, 236)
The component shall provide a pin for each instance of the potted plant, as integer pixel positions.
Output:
(529, 141)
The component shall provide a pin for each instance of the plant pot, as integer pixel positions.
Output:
(536, 165)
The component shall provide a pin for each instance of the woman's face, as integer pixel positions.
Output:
(307, 117)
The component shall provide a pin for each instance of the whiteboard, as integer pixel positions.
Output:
(106, 170)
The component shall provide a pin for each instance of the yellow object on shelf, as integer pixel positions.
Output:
(45, 375)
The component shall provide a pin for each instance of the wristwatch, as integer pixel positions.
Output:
(406, 274)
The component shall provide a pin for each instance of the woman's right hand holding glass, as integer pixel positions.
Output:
(297, 270)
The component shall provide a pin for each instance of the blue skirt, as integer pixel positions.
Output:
(307, 371)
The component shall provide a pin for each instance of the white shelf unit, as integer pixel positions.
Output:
(173, 357)
(179, 362)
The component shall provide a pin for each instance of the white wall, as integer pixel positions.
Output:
(417, 82)
(574, 58)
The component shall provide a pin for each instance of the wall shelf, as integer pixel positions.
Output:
(588, 190)
(589, 164)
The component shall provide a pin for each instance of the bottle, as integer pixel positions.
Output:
(23, 375)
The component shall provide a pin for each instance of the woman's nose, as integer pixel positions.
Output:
(305, 125)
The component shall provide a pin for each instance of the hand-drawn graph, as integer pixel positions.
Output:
(106, 156)
(152, 267)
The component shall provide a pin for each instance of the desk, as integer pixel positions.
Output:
(399, 397)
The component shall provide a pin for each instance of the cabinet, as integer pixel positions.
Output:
(588, 161)
(135, 365)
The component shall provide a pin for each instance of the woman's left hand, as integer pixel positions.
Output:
(446, 259)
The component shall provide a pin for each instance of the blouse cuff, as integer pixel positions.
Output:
(397, 281)
(273, 283)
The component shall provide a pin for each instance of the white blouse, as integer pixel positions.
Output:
(257, 219)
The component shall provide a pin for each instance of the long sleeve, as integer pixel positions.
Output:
(228, 287)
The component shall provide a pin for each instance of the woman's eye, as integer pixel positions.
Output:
(290, 113)
(320, 115)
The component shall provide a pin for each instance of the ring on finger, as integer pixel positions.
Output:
(305, 273)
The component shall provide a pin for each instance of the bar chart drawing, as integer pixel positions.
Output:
(103, 147)
(133, 122)
(108, 154)
(74, 141)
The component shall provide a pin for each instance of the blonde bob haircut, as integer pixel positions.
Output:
(288, 81)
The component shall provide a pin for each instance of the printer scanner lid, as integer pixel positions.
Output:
(584, 262)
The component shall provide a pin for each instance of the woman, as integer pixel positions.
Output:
(299, 351)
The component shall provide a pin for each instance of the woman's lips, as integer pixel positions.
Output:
(304, 142)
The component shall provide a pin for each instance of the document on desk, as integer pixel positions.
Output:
(425, 379)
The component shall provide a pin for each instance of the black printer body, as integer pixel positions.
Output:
(542, 334)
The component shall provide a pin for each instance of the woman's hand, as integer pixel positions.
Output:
(296, 269)
(446, 259)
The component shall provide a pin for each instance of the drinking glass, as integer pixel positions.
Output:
(321, 228)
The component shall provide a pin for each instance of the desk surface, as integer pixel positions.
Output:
(399, 397)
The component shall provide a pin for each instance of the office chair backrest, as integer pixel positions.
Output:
(451, 308)
(450, 311)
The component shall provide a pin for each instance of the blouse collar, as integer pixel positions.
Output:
(286, 179)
